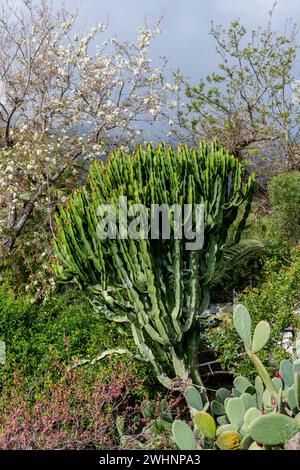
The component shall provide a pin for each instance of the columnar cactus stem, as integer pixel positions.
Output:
(156, 285)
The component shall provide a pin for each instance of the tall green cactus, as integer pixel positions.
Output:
(156, 286)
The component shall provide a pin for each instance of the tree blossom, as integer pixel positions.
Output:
(60, 101)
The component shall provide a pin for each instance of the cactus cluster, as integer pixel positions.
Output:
(156, 425)
(186, 438)
(259, 416)
(156, 287)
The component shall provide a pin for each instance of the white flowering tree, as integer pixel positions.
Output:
(63, 96)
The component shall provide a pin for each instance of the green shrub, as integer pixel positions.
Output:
(275, 300)
(65, 328)
(284, 221)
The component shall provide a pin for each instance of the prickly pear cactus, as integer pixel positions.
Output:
(258, 417)
(229, 440)
(273, 429)
(183, 436)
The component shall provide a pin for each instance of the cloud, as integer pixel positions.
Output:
(185, 40)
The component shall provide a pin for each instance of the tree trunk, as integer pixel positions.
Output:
(16, 224)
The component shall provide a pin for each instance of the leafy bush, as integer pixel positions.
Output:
(275, 300)
(65, 328)
(284, 221)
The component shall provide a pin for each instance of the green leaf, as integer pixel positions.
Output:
(261, 336)
(193, 398)
(222, 420)
(229, 440)
(263, 374)
(183, 435)
(217, 408)
(224, 427)
(287, 372)
(242, 324)
(241, 383)
(272, 429)
(248, 400)
(277, 383)
(222, 394)
(235, 410)
(246, 442)
(297, 388)
(291, 398)
(206, 424)
(259, 387)
(250, 416)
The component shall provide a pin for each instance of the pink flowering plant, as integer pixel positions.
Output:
(69, 414)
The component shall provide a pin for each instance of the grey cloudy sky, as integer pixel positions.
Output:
(184, 40)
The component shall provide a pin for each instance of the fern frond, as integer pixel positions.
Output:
(236, 254)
